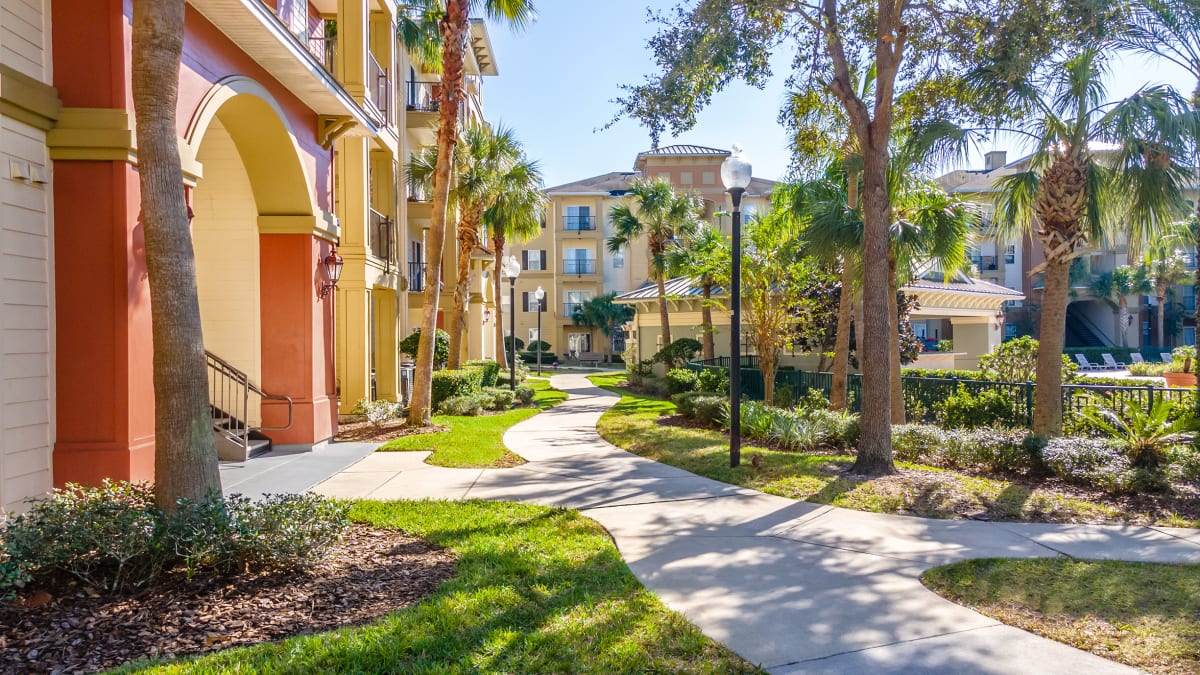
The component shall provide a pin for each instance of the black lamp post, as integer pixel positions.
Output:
(735, 175)
(539, 295)
(512, 269)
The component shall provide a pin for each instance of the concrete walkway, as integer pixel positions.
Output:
(793, 586)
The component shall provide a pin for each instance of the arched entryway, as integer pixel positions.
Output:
(258, 259)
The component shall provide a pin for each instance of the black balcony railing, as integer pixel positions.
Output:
(579, 223)
(569, 308)
(416, 276)
(379, 86)
(381, 237)
(322, 46)
(422, 96)
(579, 266)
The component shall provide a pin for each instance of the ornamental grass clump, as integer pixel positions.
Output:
(113, 537)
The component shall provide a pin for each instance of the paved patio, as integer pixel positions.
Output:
(793, 586)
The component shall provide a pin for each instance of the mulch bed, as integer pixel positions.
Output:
(365, 432)
(369, 574)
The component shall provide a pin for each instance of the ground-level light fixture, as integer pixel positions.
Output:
(735, 175)
(333, 271)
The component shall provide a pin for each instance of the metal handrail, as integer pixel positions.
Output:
(579, 223)
(579, 266)
(421, 96)
(381, 237)
(378, 94)
(229, 391)
(416, 276)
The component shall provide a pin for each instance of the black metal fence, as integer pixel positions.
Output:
(921, 394)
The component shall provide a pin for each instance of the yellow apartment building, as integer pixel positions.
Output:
(570, 259)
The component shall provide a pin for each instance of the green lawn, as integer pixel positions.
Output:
(1144, 615)
(537, 590)
(477, 442)
(633, 424)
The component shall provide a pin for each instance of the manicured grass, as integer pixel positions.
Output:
(537, 590)
(477, 442)
(633, 424)
(1141, 614)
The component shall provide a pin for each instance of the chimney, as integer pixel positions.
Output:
(994, 160)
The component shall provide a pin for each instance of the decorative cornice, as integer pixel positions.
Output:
(323, 225)
(28, 100)
(106, 135)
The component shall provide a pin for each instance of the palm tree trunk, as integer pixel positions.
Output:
(185, 457)
(663, 315)
(468, 239)
(1123, 319)
(1161, 297)
(841, 344)
(501, 352)
(453, 27)
(896, 384)
(707, 351)
(875, 444)
(1047, 410)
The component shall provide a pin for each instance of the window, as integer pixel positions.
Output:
(709, 177)
(578, 261)
(1010, 254)
(1189, 335)
(574, 301)
(533, 336)
(578, 343)
(618, 260)
(579, 218)
(533, 261)
(530, 303)
(685, 178)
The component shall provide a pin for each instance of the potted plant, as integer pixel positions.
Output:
(1181, 371)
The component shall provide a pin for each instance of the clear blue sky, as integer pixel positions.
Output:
(558, 78)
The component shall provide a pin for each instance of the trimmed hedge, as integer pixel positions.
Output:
(450, 383)
(490, 371)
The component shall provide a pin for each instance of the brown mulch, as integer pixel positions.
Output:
(365, 432)
(369, 574)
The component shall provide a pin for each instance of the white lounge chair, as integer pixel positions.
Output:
(1084, 364)
(1112, 364)
(1136, 357)
(1166, 357)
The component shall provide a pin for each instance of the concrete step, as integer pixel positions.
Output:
(229, 450)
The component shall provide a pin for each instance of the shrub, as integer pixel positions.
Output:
(711, 410)
(469, 405)
(680, 380)
(1016, 361)
(1147, 369)
(1183, 360)
(656, 386)
(918, 443)
(983, 449)
(114, 537)
(758, 420)
(1146, 438)
(685, 402)
(813, 399)
(508, 344)
(942, 373)
(714, 380)
(381, 411)
(532, 348)
(798, 433)
(678, 353)
(450, 383)
(988, 408)
(945, 345)
(441, 346)
(489, 370)
(1091, 462)
(851, 431)
(638, 371)
(785, 396)
(502, 399)
(525, 394)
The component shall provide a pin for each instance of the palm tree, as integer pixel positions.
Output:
(515, 215)
(1115, 287)
(604, 313)
(483, 158)
(185, 458)
(705, 258)
(662, 215)
(1071, 195)
(453, 27)
(1164, 265)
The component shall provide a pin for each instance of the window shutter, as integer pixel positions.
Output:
(524, 260)
(544, 298)
(525, 300)
(543, 257)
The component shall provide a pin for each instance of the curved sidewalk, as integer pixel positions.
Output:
(793, 586)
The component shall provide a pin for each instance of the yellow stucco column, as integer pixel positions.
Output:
(475, 328)
(387, 382)
(974, 336)
(353, 366)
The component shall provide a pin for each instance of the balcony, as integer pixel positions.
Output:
(379, 85)
(579, 223)
(293, 48)
(380, 237)
(569, 308)
(421, 97)
(579, 266)
(416, 276)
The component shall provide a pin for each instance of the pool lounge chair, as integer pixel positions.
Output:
(1136, 357)
(1084, 364)
(1166, 357)
(1112, 364)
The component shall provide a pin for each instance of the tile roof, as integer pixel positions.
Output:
(608, 182)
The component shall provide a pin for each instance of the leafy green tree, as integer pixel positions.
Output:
(706, 44)
(441, 352)
(704, 257)
(605, 313)
(1115, 287)
(661, 216)
(453, 22)
(516, 216)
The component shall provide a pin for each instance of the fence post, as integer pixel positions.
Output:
(1149, 399)
(1028, 404)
